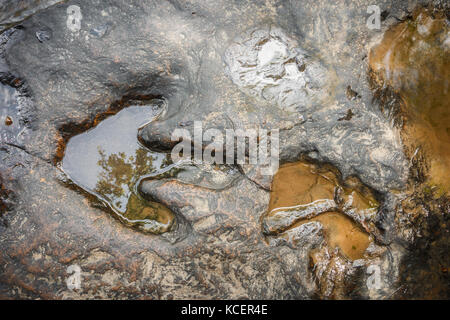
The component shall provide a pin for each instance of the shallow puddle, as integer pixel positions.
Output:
(413, 58)
(108, 161)
(306, 186)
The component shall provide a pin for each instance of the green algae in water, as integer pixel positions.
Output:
(108, 161)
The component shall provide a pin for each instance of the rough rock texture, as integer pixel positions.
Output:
(14, 11)
(191, 53)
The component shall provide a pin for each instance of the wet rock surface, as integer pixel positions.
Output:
(12, 12)
(407, 61)
(286, 65)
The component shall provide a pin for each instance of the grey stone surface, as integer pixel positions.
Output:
(187, 53)
(13, 12)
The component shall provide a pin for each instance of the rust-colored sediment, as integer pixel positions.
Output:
(112, 161)
(140, 209)
(413, 59)
(302, 183)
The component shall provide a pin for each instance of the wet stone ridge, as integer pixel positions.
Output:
(286, 65)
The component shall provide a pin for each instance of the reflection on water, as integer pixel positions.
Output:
(413, 58)
(301, 183)
(108, 161)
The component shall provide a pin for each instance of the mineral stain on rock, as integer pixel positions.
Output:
(413, 59)
(107, 161)
(303, 193)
